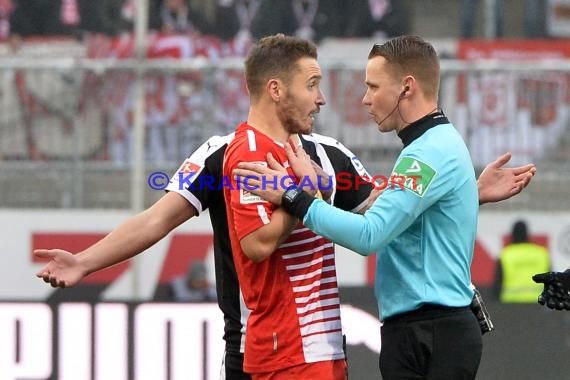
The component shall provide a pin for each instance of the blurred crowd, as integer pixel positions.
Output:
(226, 19)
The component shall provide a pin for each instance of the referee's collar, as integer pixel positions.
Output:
(419, 127)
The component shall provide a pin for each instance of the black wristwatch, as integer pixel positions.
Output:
(289, 197)
(296, 201)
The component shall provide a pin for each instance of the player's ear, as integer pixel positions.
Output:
(274, 89)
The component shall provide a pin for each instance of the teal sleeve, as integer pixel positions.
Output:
(391, 214)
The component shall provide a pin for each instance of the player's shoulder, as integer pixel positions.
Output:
(322, 139)
(328, 143)
(216, 142)
(211, 147)
(250, 141)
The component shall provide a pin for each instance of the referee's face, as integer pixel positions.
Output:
(382, 94)
(302, 98)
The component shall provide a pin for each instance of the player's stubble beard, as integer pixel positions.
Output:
(291, 117)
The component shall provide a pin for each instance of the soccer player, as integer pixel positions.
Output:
(286, 272)
(186, 200)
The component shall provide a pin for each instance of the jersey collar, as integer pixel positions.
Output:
(419, 127)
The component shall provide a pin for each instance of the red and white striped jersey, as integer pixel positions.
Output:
(292, 295)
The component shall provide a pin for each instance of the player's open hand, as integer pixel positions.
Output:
(302, 166)
(497, 183)
(63, 269)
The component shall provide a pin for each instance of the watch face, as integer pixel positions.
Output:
(291, 194)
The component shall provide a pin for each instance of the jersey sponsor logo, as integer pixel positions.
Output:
(418, 175)
(246, 196)
(188, 167)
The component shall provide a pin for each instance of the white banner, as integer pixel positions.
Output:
(118, 341)
(22, 231)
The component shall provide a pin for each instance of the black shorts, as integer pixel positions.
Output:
(435, 342)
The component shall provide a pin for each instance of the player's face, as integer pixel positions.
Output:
(302, 99)
(382, 92)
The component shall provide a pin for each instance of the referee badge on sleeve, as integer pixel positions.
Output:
(414, 175)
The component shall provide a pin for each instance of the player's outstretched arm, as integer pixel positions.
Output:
(497, 183)
(138, 233)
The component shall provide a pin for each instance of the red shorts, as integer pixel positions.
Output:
(329, 370)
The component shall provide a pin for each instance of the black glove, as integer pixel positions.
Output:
(556, 293)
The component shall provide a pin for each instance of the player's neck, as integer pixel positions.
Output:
(267, 123)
